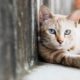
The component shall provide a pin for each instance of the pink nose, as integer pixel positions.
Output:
(60, 41)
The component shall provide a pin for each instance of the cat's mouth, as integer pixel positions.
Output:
(60, 47)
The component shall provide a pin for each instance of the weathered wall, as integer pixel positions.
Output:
(7, 40)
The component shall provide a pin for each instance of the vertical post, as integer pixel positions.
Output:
(23, 35)
(26, 43)
(34, 28)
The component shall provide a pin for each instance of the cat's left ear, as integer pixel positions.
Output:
(75, 16)
(44, 14)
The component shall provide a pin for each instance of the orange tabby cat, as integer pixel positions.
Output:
(59, 38)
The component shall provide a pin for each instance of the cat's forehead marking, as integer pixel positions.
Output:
(51, 22)
(59, 24)
(65, 23)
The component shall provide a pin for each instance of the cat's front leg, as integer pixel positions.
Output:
(71, 59)
(56, 56)
(75, 60)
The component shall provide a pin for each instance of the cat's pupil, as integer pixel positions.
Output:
(52, 31)
(67, 32)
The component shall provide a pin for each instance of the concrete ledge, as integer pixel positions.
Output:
(53, 72)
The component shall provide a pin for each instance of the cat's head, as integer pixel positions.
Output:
(56, 33)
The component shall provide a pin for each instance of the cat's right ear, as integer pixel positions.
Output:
(75, 16)
(44, 14)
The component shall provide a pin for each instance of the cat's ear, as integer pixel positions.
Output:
(75, 16)
(44, 14)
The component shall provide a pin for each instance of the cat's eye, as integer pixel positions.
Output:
(52, 31)
(67, 32)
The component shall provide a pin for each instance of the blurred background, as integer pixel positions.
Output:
(18, 33)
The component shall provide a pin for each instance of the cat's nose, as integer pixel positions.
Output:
(60, 41)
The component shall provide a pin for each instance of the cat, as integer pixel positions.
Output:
(59, 38)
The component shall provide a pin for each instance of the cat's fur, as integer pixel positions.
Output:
(59, 48)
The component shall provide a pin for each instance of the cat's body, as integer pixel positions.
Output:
(59, 39)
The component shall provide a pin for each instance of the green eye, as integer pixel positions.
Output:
(67, 32)
(52, 31)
